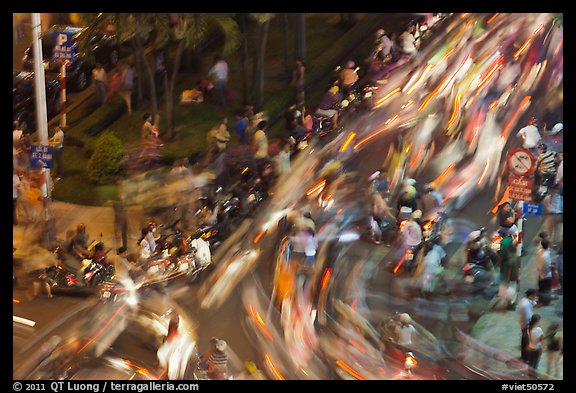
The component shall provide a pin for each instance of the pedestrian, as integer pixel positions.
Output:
(298, 81)
(100, 82)
(506, 217)
(553, 206)
(554, 349)
(127, 83)
(559, 181)
(260, 145)
(509, 264)
(526, 310)
(148, 132)
(57, 142)
(534, 348)
(219, 76)
(544, 267)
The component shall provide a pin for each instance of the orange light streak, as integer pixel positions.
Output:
(492, 18)
(273, 367)
(326, 277)
(504, 199)
(462, 30)
(455, 111)
(317, 187)
(259, 236)
(424, 72)
(490, 73)
(439, 179)
(381, 100)
(525, 102)
(400, 263)
(519, 51)
(349, 370)
(484, 172)
(366, 139)
(103, 328)
(259, 322)
(14, 300)
(390, 120)
(357, 346)
(406, 105)
(347, 142)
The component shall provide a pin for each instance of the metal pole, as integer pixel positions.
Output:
(41, 118)
(63, 93)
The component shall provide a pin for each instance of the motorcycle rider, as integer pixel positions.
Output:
(218, 361)
(79, 243)
(347, 77)
(408, 195)
(329, 105)
(545, 164)
(530, 135)
(381, 212)
(476, 251)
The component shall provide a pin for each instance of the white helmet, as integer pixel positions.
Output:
(380, 33)
(473, 236)
(557, 128)
(404, 318)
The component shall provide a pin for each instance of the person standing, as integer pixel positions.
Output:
(553, 208)
(57, 142)
(219, 75)
(534, 349)
(100, 82)
(509, 269)
(544, 266)
(127, 84)
(526, 307)
(298, 73)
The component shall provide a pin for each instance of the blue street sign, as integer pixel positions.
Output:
(41, 156)
(532, 209)
(64, 48)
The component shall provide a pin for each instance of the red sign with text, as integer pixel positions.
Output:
(520, 188)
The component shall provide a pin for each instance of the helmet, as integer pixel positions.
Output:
(473, 236)
(380, 33)
(558, 127)
(404, 318)
(409, 182)
(416, 214)
(532, 120)
(543, 147)
(221, 345)
(350, 64)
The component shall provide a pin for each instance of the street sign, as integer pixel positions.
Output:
(521, 162)
(63, 46)
(41, 156)
(520, 188)
(532, 209)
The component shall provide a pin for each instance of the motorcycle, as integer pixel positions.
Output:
(97, 272)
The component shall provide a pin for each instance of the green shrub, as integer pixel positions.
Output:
(106, 164)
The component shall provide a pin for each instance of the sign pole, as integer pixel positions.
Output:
(63, 93)
(42, 122)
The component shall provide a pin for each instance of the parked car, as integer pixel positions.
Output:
(24, 102)
(104, 47)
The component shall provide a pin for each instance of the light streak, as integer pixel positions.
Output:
(317, 187)
(439, 179)
(273, 367)
(492, 18)
(381, 100)
(349, 370)
(347, 142)
(455, 111)
(484, 172)
(103, 327)
(525, 102)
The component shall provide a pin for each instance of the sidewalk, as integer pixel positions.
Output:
(501, 330)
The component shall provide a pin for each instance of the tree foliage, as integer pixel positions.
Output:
(106, 163)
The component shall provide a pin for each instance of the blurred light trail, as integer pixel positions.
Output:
(319, 186)
(349, 370)
(103, 327)
(273, 367)
(524, 104)
(381, 100)
(492, 18)
(347, 142)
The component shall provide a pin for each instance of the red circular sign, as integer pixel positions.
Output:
(521, 162)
